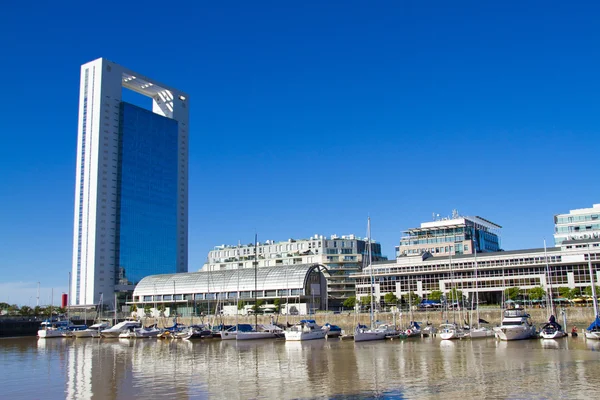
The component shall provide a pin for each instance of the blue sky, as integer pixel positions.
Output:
(307, 117)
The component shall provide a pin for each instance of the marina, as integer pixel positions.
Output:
(212, 368)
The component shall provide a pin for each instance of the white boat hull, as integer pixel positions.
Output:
(50, 333)
(517, 332)
(592, 335)
(147, 333)
(368, 335)
(228, 335)
(480, 333)
(87, 333)
(255, 335)
(300, 336)
(552, 335)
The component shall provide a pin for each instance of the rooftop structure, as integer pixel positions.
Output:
(452, 235)
(578, 224)
(131, 195)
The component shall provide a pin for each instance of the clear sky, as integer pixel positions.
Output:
(306, 117)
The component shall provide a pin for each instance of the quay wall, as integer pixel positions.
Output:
(578, 316)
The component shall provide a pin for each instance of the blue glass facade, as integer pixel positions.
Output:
(147, 195)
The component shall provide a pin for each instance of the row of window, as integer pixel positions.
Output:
(250, 294)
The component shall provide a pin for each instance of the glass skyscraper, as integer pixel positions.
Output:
(131, 191)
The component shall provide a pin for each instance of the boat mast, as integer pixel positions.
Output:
(549, 297)
(115, 308)
(594, 299)
(476, 289)
(370, 267)
(255, 283)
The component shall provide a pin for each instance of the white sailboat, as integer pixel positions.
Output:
(480, 331)
(363, 333)
(306, 329)
(551, 329)
(259, 331)
(593, 331)
(450, 331)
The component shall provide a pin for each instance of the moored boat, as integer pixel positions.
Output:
(552, 329)
(121, 327)
(333, 331)
(306, 329)
(451, 331)
(516, 325)
(93, 331)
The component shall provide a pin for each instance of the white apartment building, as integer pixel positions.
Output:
(578, 224)
(131, 192)
(340, 255)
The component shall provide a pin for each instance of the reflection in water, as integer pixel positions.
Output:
(122, 369)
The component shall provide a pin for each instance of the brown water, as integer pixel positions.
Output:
(412, 369)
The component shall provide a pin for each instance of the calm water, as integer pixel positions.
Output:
(416, 368)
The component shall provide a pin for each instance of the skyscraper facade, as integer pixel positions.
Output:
(131, 192)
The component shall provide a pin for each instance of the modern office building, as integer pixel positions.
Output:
(342, 256)
(131, 194)
(565, 266)
(579, 224)
(452, 235)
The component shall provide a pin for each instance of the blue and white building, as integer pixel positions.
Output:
(578, 224)
(131, 192)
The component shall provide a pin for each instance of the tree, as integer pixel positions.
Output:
(277, 304)
(588, 291)
(435, 295)
(26, 310)
(390, 298)
(147, 309)
(257, 305)
(37, 310)
(512, 293)
(350, 302)
(454, 296)
(411, 297)
(241, 305)
(566, 292)
(366, 301)
(536, 293)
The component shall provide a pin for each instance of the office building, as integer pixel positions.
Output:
(451, 235)
(579, 224)
(131, 192)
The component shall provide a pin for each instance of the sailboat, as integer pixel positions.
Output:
(363, 333)
(480, 331)
(449, 331)
(414, 329)
(259, 331)
(551, 329)
(593, 331)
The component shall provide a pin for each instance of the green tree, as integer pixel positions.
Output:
(454, 296)
(37, 310)
(411, 297)
(277, 304)
(241, 305)
(147, 309)
(390, 298)
(588, 291)
(435, 295)
(350, 302)
(256, 307)
(366, 301)
(26, 310)
(512, 293)
(536, 293)
(566, 292)
(4, 306)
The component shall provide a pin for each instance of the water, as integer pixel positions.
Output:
(399, 369)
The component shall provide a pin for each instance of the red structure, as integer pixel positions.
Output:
(64, 300)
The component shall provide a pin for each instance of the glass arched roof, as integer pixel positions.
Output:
(267, 278)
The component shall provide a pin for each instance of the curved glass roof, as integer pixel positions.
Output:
(267, 278)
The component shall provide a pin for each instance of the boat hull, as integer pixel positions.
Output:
(87, 333)
(301, 336)
(592, 335)
(255, 335)
(481, 333)
(552, 335)
(366, 336)
(50, 333)
(514, 332)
